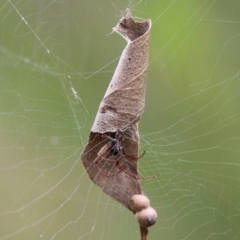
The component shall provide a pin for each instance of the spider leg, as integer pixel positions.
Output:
(126, 171)
(100, 158)
(103, 151)
(117, 163)
(104, 136)
(107, 174)
(135, 176)
(122, 169)
(133, 158)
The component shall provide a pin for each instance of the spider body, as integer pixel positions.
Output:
(115, 147)
(113, 152)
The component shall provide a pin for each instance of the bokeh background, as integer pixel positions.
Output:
(57, 58)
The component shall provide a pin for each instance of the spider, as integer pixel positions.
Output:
(114, 148)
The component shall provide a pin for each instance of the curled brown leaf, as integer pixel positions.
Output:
(111, 155)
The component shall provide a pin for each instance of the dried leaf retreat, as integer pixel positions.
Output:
(112, 153)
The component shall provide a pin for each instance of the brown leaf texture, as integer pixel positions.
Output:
(124, 101)
(112, 165)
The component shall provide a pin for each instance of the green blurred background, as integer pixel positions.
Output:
(57, 58)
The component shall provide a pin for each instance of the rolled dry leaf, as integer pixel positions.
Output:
(119, 112)
(124, 101)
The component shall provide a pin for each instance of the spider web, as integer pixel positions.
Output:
(57, 58)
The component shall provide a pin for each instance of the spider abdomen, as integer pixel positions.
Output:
(116, 148)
